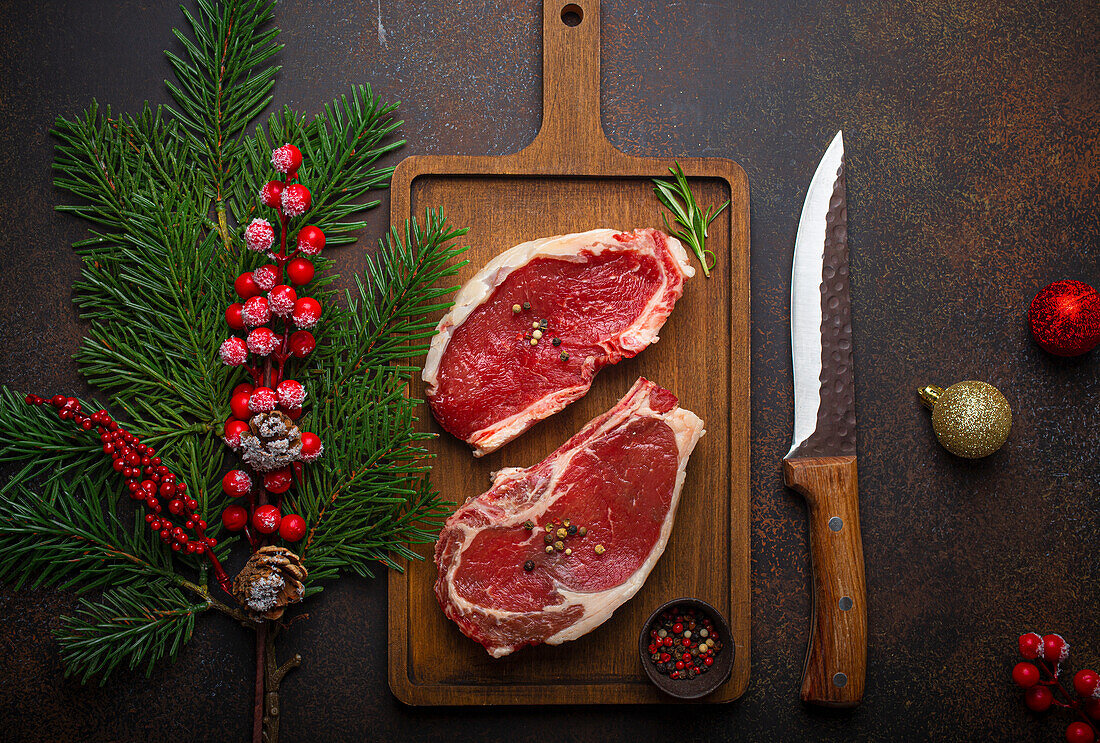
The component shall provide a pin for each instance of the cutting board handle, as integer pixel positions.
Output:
(571, 124)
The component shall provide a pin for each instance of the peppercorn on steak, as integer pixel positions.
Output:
(550, 552)
(530, 330)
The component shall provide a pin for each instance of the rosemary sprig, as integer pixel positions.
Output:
(678, 199)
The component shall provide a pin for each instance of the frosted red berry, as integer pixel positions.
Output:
(1086, 682)
(281, 298)
(307, 311)
(246, 286)
(286, 159)
(263, 400)
(302, 343)
(1055, 648)
(300, 271)
(312, 448)
(279, 481)
(1031, 645)
(236, 483)
(291, 393)
(1038, 698)
(266, 519)
(271, 194)
(233, 351)
(259, 236)
(234, 518)
(262, 341)
(233, 316)
(296, 200)
(1025, 675)
(311, 240)
(1079, 732)
(292, 528)
(256, 312)
(266, 276)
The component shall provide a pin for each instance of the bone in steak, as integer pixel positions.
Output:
(598, 297)
(618, 479)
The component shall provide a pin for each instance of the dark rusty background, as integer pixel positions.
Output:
(971, 131)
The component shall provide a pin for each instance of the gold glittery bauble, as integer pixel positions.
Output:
(971, 419)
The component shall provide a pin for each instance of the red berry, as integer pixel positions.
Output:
(233, 316)
(259, 236)
(1092, 708)
(236, 483)
(175, 507)
(311, 240)
(271, 194)
(1031, 645)
(1087, 683)
(246, 286)
(242, 387)
(302, 343)
(234, 518)
(233, 430)
(1079, 732)
(256, 312)
(311, 447)
(286, 159)
(296, 200)
(233, 351)
(263, 400)
(262, 341)
(291, 394)
(282, 299)
(1038, 698)
(1055, 648)
(266, 519)
(300, 271)
(239, 405)
(279, 481)
(307, 311)
(293, 413)
(292, 527)
(1025, 675)
(266, 276)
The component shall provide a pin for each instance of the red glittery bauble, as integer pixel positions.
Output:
(1065, 318)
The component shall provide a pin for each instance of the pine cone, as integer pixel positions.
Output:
(272, 441)
(270, 581)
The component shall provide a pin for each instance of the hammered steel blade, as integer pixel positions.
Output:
(821, 320)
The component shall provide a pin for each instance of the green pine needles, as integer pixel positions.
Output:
(166, 194)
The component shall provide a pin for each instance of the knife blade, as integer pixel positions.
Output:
(821, 464)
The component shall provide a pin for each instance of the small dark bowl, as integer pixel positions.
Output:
(704, 683)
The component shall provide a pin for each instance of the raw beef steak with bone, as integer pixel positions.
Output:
(529, 331)
(549, 552)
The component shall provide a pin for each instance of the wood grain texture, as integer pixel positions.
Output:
(571, 179)
(836, 659)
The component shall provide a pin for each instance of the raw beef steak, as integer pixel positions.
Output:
(594, 298)
(509, 578)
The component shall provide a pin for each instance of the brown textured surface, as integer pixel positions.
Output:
(971, 131)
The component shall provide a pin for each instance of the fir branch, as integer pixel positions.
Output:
(127, 626)
(43, 446)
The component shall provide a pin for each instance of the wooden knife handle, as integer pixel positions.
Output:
(836, 660)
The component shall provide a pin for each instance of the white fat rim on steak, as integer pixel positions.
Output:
(687, 427)
(480, 287)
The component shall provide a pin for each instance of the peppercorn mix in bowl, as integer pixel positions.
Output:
(685, 648)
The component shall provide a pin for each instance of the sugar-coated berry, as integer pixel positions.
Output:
(286, 159)
(1038, 698)
(243, 387)
(266, 276)
(291, 393)
(1025, 674)
(266, 519)
(279, 481)
(259, 236)
(300, 271)
(302, 343)
(236, 483)
(281, 298)
(233, 430)
(292, 528)
(307, 311)
(1079, 732)
(233, 351)
(233, 316)
(1031, 645)
(246, 286)
(234, 518)
(256, 312)
(1087, 683)
(1055, 648)
(271, 194)
(296, 200)
(263, 400)
(311, 240)
(312, 448)
(262, 341)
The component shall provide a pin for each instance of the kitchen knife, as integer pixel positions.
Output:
(821, 464)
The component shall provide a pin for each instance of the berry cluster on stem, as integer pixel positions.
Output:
(1038, 676)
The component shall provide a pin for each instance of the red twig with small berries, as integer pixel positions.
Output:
(1038, 675)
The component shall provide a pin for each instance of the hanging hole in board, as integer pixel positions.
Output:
(572, 15)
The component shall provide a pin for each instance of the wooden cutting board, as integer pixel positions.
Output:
(571, 179)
